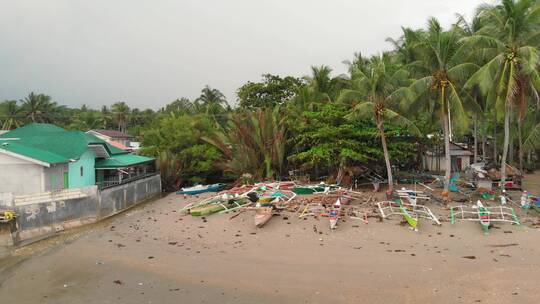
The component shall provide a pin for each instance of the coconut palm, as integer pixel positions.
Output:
(373, 83)
(10, 115)
(121, 113)
(510, 39)
(323, 85)
(39, 108)
(441, 71)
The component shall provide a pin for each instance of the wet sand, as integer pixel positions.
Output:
(153, 254)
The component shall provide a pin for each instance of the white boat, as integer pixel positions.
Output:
(335, 213)
(262, 215)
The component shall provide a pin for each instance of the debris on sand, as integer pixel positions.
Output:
(470, 257)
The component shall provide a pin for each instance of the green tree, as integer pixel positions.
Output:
(510, 39)
(121, 113)
(10, 115)
(271, 91)
(441, 71)
(373, 83)
(253, 142)
(39, 108)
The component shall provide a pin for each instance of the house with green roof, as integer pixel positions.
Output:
(41, 158)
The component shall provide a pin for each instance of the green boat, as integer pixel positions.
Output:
(307, 190)
(217, 207)
(413, 222)
(483, 217)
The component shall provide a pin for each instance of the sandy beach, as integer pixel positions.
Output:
(154, 254)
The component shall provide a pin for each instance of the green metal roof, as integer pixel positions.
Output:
(51, 144)
(121, 161)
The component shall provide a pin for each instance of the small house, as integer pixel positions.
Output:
(118, 139)
(460, 158)
(40, 158)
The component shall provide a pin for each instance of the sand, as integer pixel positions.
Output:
(153, 254)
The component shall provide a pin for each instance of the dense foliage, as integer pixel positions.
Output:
(475, 82)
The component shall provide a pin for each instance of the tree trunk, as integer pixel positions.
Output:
(495, 156)
(520, 146)
(475, 141)
(380, 125)
(446, 129)
(484, 139)
(505, 144)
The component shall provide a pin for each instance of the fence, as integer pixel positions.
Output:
(46, 213)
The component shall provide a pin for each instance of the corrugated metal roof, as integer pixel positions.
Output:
(121, 161)
(112, 133)
(51, 144)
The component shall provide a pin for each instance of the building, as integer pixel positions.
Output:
(55, 179)
(42, 157)
(116, 138)
(460, 158)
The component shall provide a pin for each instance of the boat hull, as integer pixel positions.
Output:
(262, 216)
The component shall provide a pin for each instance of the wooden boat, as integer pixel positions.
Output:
(483, 216)
(307, 190)
(411, 220)
(218, 207)
(262, 215)
(334, 214)
(198, 189)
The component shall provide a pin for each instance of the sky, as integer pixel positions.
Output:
(148, 53)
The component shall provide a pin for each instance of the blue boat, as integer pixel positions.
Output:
(198, 189)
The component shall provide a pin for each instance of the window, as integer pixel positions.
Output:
(82, 171)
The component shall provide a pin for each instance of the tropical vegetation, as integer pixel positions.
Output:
(475, 82)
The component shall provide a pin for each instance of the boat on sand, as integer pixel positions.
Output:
(262, 215)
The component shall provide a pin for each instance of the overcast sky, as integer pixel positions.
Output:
(148, 53)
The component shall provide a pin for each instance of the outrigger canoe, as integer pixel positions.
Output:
(218, 207)
(262, 215)
(198, 189)
(483, 216)
(334, 214)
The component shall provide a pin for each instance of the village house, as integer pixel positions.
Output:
(41, 157)
(56, 179)
(460, 158)
(118, 139)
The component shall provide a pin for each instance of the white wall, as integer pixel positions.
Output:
(19, 176)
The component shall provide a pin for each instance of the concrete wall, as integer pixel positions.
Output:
(54, 176)
(88, 177)
(19, 176)
(41, 219)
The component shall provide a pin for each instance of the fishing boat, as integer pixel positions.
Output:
(262, 215)
(411, 220)
(306, 190)
(198, 189)
(535, 203)
(483, 216)
(411, 213)
(334, 214)
(219, 207)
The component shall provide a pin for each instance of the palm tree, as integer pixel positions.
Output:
(325, 88)
(373, 83)
(253, 142)
(10, 114)
(509, 37)
(121, 113)
(441, 71)
(38, 108)
(212, 98)
(106, 117)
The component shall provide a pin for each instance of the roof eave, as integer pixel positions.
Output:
(23, 157)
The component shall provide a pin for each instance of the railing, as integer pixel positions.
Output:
(112, 183)
(57, 195)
